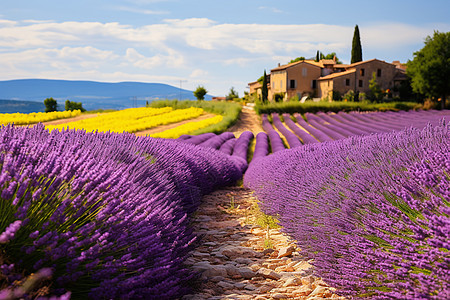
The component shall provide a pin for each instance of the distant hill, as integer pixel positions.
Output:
(94, 95)
(14, 106)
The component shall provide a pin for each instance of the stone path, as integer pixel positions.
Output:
(248, 120)
(238, 259)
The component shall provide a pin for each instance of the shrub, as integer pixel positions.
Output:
(337, 96)
(50, 105)
(70, 105)
(278, 97)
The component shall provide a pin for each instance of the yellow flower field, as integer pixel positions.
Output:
(33, 118)
(132, 120)
(187, 128)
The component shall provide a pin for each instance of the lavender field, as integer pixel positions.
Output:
(372, 210)
(106, 215)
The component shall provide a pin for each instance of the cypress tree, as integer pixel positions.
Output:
(356, 47)
(264, 90)
(317, 56)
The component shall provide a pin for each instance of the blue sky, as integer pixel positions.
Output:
(217, 44)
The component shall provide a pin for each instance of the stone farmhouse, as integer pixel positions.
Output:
(324, 78)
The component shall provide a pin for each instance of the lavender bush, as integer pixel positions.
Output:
(373, 211)
(228, 146)
(321, 136)
(105, 214)
(217, 141)
(291, 138)
(241, 146)
(261, 146)
(302, 134)
(276, 143)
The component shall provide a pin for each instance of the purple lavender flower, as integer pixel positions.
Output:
(110, 209)
(371, 210)
(10, 231)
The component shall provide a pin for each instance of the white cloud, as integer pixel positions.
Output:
(199, 73)
(65, 59)
(37, 21)
(140, 61)
(189, 23)
(387, 35)
(198, 48)
(7, 23)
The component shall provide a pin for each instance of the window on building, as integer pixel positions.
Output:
(360, 83)
(304, 72)
(292, 84)
(314, 84)
(347, 82)
(361, 72)
(379, 72)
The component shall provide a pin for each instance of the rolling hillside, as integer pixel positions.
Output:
(93, 95)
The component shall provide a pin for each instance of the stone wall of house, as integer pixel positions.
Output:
(385, 73)
(344, 83)
(303, 79)
(303, 74)
(326, 89)
(277, 83)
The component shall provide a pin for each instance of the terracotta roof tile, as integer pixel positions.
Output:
(338, 74)
(327, 62)
(283, 67)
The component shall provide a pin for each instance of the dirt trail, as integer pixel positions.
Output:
(248, 120)
(239, 259)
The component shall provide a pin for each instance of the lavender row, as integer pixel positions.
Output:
(373, 211)
(276, 143)
(104, 215)
(302, 134)
(224, 142)
(291, 138)
(261, 146)
(323, 127)
(321, 136)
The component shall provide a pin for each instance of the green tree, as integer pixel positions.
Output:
(301, 58)
(375, 92)
(232, 94)
(332, 55)
(200, 92)
(356, 47)
(50, 105)
(264, 90)
(69, 105)
(261, 79)
(430, 68)
(317, 56)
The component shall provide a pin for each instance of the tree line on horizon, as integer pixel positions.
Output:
(52, 105)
